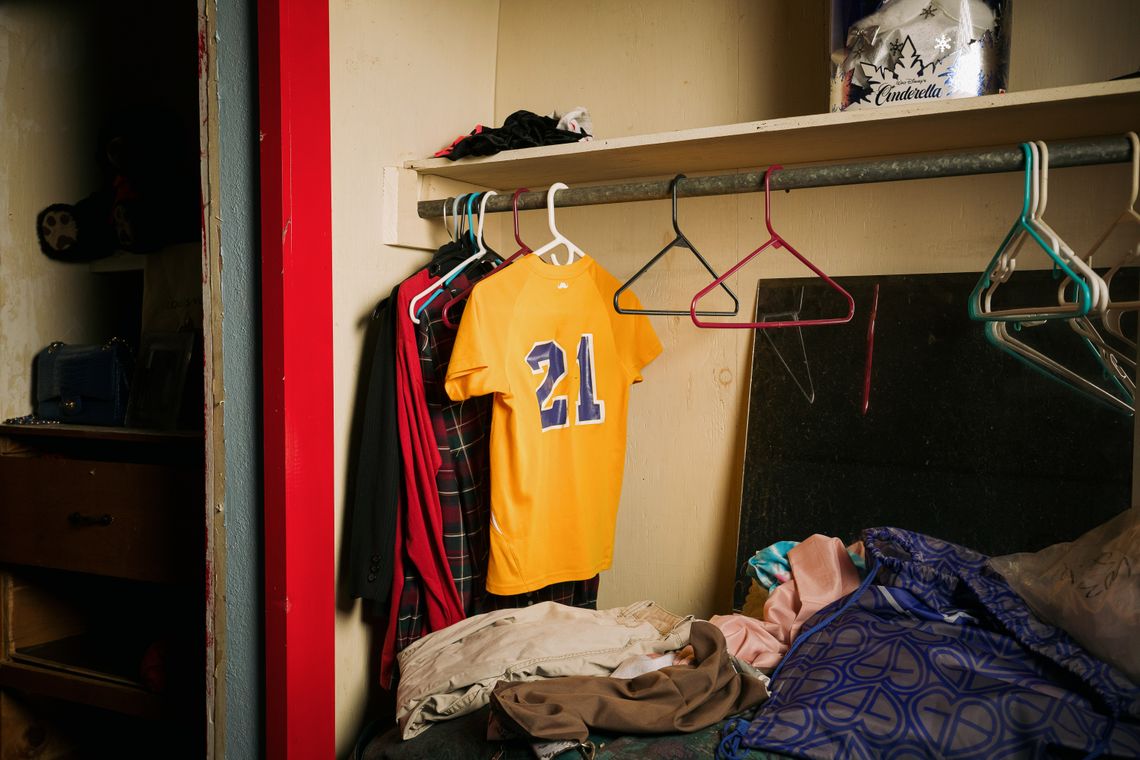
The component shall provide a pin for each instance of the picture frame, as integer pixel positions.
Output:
(159, 380)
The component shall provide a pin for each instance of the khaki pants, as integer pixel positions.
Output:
(451, 672)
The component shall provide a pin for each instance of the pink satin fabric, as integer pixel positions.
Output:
(821, 573)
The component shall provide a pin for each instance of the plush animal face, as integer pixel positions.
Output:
(59, 228)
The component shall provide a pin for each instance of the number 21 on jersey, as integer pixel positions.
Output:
(549, 357)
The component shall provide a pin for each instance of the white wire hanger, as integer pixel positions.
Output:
(808, 391)
(558, 237)
(437, 287)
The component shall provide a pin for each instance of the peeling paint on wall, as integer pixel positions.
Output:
(43, 112)
(63, 72)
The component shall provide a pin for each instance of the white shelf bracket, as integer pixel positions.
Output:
(402, 189)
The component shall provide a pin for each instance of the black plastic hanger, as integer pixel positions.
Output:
(678, 242)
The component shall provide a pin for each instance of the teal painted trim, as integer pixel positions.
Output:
(240, 277)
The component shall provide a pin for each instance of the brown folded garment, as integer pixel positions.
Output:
(675, 699)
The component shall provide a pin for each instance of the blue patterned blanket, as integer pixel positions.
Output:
(935, 656)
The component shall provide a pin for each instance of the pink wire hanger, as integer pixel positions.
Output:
(776, 242)
(523, 250)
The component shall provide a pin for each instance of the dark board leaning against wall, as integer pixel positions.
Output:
(960, 440)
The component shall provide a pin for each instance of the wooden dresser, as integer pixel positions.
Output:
(101, 591)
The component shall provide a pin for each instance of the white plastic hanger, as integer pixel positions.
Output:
(1027, 231)
(1008, 261)
(438, 285)
(452, 234)
(1039, 200)
(1130, 218)
(1005, 261)
(1096, 285)
(1110, 310)
(1000, 332)
(1117, 364)
(1009, 256)
(558, 237)
(480, 243)
(446, 228)
(1117, 309)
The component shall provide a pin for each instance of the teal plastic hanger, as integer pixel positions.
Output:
(415, 307)
(476, 243)
(1031, 225)
(1001, 267)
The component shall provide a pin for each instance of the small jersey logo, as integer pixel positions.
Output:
(562, 286)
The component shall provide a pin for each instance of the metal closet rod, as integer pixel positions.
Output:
(1086, 152)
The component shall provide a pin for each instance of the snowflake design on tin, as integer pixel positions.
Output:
(942, 44)
(929, 11)
(896, 48)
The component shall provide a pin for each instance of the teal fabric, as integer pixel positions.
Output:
(770, 566)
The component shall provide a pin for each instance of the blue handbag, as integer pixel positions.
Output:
(83, 385)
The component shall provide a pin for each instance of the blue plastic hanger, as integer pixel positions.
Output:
(415, 308)
(480, 251)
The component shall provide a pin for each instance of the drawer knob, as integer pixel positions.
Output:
(79, 520)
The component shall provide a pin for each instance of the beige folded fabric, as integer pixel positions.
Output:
(450, 673)
(680, 698)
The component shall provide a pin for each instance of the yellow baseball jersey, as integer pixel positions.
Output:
(546, 340)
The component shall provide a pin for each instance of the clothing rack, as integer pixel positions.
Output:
(1085, 152)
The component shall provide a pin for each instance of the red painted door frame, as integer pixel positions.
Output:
(297, 364)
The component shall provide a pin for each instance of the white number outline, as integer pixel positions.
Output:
(542, 367)
(587, 341)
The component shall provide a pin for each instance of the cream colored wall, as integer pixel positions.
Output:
(654, 65)
(647, 66)
(407, 78)
(44, 159)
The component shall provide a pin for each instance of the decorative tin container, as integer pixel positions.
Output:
(886, 52)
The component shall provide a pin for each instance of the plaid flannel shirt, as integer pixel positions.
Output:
(462, 430)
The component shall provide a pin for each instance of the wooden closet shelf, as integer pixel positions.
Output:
(90, 656)
(1087, 110)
